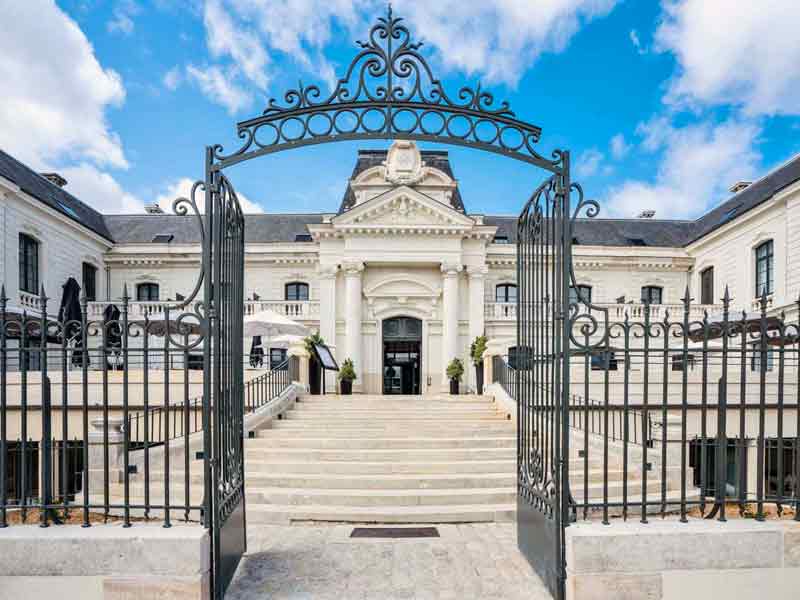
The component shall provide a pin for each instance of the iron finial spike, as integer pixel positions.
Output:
(686, 297)
(726, 297)
(3, 292)
(125, 292)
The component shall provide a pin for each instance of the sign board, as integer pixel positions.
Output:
(325, 357)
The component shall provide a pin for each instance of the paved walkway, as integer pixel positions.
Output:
(468, 562)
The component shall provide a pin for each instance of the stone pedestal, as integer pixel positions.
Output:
(116, 439)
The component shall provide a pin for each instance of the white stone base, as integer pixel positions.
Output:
(104, 562)
(737, 560)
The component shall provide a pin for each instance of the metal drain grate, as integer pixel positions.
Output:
(395, 532)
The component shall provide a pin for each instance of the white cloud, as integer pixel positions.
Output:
(497, 38)
(172, 78)
(100, 190)
(699, 163)
(589, 162)
(637, 43)
(122, 17)
(236, 40)
(744, 54)
(56, 103)
(220, 86)
(619, 147)
(182, 188)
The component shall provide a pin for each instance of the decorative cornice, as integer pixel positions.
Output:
(327, 271)
(477, 271)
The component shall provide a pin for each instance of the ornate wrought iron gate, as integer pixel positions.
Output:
(542, 370)
(389, 91)
(224, 293)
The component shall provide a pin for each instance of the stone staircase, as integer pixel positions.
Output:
(384, 459)
(401, 459)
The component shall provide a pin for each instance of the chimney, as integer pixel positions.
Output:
(739, 186)
(647, 214)
(55, 179)
(153, 209)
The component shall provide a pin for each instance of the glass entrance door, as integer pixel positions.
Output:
(401, 368)
(402, 356)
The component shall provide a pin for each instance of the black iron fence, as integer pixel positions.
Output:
(104, 419)
(676, 415)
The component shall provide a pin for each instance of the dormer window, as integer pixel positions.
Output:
(500, 239)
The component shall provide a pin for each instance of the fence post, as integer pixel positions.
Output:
(116, 440)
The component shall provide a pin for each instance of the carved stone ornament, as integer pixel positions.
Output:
(403, 163)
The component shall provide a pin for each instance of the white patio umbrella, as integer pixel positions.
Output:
(284, 341)
(269, 324)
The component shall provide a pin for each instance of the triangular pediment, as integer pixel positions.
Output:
(401, 208)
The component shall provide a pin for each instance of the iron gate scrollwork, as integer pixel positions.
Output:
(388, 92)
(224, 356)
(542, 371)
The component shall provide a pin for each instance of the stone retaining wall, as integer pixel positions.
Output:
(104, 562)
(668, 560)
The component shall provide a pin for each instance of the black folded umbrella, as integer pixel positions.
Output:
(69, 313)
(256, 352)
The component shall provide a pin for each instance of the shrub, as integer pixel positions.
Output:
(455, 370)
(347, 371)
(477, 349)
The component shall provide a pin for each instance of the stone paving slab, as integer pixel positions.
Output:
(321, 562)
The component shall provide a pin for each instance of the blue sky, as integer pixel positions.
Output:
(663, 104)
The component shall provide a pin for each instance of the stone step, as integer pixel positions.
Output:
(361, 498)
(458, 513)
(382, 467)
(271, 442)
(443, 427)
(391, 416)
(378, 455)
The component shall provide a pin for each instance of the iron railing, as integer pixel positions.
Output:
(127, 399)
(681, 414)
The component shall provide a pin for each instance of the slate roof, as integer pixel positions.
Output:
(438, 159)
(141, 229)
(612, 232)
(33, 184)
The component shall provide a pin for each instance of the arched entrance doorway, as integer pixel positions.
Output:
(402, 356)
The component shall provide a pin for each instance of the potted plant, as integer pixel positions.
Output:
(455, 371)
(347, 375)
(314, 368)
(476, 351)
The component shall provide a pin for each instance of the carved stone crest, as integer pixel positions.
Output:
(404, 163)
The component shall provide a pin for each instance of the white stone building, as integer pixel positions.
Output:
(402, 276)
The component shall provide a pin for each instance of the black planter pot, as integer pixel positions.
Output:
(479, 377)
(345, 387)
(454, 387)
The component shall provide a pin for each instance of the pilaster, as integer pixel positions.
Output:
(353, 312)
(450, 275)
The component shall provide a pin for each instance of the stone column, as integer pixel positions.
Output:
(477, 276)
(298, 350)
(450, 273)
(327, 313)
(352, 278)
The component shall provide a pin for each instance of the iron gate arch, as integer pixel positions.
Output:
(389, 91)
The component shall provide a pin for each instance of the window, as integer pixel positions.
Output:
(147, 292)
(500, 239)
(707, 286)
(604, 360)
(277, 356)
(651, 294)
(296, 291)
(765, 275)
(505, 292)
(90, 281)
(28, 264)
(755, 361)
(303, 237)
(580, 292)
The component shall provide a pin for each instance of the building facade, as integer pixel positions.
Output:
(402, 277)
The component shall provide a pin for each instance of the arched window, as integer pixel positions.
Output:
(296, 291)
(707, 286)
(652, 294)
(28, 264)
(505, 292)
(147, 292)
(765, 268)
(580, 293)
